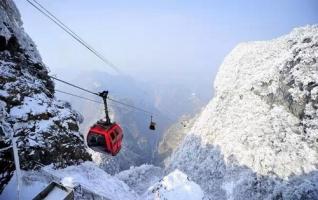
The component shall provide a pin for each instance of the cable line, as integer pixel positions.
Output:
(75, 36)
(113, 100)
(58, 22)
(97, 94)
(81, 97)
(70, 84)
(127, 105)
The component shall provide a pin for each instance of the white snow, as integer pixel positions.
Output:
(261, 127)
(31, 105)
(4, 93)
(33, 183)
(175, 185)
(88, 175)
(243, 124)
(141, 178)
(44, 125)
(91, 177)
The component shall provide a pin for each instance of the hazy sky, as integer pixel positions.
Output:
(164, 39)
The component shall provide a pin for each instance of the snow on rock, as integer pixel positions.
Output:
(141, 178)
(6, 160)
(32, 183)
(86, 175)
(46, 129)
(175, 185)
(89, 176)
(258, 138)
(173, 137)
(90, 182)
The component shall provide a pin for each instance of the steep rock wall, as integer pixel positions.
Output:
(46, 128)
(258, 137)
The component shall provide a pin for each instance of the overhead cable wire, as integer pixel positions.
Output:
(70, 84)
(81, 97)
(113, 100)
(131, 106)
(94, 93)
(68, 28)
(62, 25)
(59, 21)
(118, 102)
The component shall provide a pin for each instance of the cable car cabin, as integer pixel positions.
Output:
(152, 126)
(105, 138)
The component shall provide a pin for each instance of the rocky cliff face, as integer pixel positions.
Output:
(46, 128)
(173, 137)
(258, 137)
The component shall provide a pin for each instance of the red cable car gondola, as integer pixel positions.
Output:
(105, 136)
(105, 139)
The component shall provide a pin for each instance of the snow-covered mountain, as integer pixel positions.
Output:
(258, 137)
(47, 133)
(173, 137)
(46, 129)
(90, 182)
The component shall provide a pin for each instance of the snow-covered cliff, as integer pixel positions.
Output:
(46, 129)
(173, 137)
(90, 182)
(258, 137)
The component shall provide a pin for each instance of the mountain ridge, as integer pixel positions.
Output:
(261, 126)
(46, 128)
